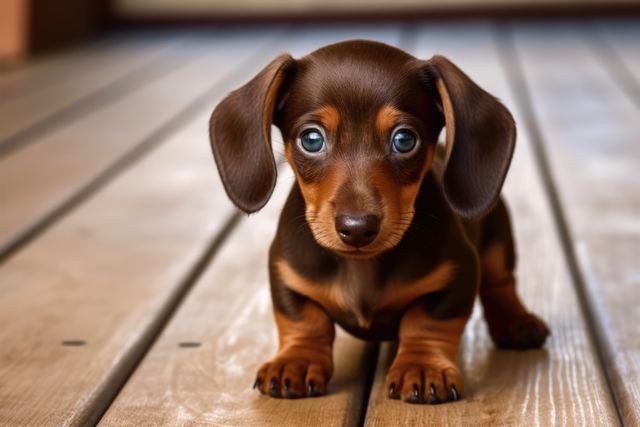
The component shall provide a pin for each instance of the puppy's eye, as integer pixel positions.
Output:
(403, 141)
(312, 141)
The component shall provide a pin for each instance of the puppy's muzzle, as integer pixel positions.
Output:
(357, 230)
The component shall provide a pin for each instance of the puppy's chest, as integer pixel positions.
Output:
(363, 292)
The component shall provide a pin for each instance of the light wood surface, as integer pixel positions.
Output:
(112, 270)
(563, 382)
(65, 162)
(94, 83)
(590, 128)
(44, 70)
(105, 275)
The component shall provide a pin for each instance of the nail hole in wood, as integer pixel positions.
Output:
(189, 344)
(74, 343)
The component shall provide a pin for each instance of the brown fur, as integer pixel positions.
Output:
(441, 234)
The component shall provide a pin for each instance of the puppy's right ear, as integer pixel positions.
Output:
(240, 133)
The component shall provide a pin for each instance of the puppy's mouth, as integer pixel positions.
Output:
(330, 239)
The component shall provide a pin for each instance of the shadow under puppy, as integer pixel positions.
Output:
(379, 233)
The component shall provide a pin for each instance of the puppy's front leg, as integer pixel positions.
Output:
(304, 363)
(425, 369)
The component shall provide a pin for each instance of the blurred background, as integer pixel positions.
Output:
(28, 26)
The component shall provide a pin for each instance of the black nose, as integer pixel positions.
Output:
(357, 230)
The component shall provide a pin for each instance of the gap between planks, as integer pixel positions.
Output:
(152, 69)
(128, 159)
(509, 56)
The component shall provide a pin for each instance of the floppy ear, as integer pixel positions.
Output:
(240, 133)
(481, 137)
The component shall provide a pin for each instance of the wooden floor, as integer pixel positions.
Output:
(132, 293)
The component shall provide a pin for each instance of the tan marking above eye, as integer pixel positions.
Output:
(329, 118)
(387, 118)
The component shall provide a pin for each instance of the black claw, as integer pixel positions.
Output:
(311, 389)
(414, 397)
(273, 387)
(454, 393)
(288, 393)
(258, 383)
(433, 399)
(392, 391)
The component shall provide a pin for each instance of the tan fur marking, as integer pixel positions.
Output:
(494, 268)
(398, 295)
(304, 338)
(387, 118)
(329, 118)
(327, 295)
(449, 118)
(427, 354)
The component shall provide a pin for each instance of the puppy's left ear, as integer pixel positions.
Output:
(481, 137)
(240, 133)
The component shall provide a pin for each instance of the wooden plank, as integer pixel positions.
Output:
(560, 384)
(19, 79)
(104, 276)
(616, 47)
(80, 88)
(44, 180)
(229, 314)
(589, 128)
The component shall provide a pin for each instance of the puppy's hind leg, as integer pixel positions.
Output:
(510, 324)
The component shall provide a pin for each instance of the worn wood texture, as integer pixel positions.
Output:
(93, 83)
(619, 51)
(561, 384)
(42, 177)
(229, 314)
(590, 132)
(45, 70)
(107, 275)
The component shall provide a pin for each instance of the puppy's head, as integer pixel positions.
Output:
(360, 122)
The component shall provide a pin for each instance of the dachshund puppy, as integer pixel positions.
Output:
(381, 233)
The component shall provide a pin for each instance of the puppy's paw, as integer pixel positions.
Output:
(524, 332)
(431, 380)
(292, 378)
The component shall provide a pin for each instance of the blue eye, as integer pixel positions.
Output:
(403, 141)
(312, 141)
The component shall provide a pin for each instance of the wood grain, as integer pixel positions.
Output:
(590, 131)
(621, 55)
(229, 314)
(561, 384)
(42, 177)
(110, 272)
(45, 70)
(89, 84)
(104, 276)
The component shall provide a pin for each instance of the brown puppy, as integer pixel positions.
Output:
(379, 234)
